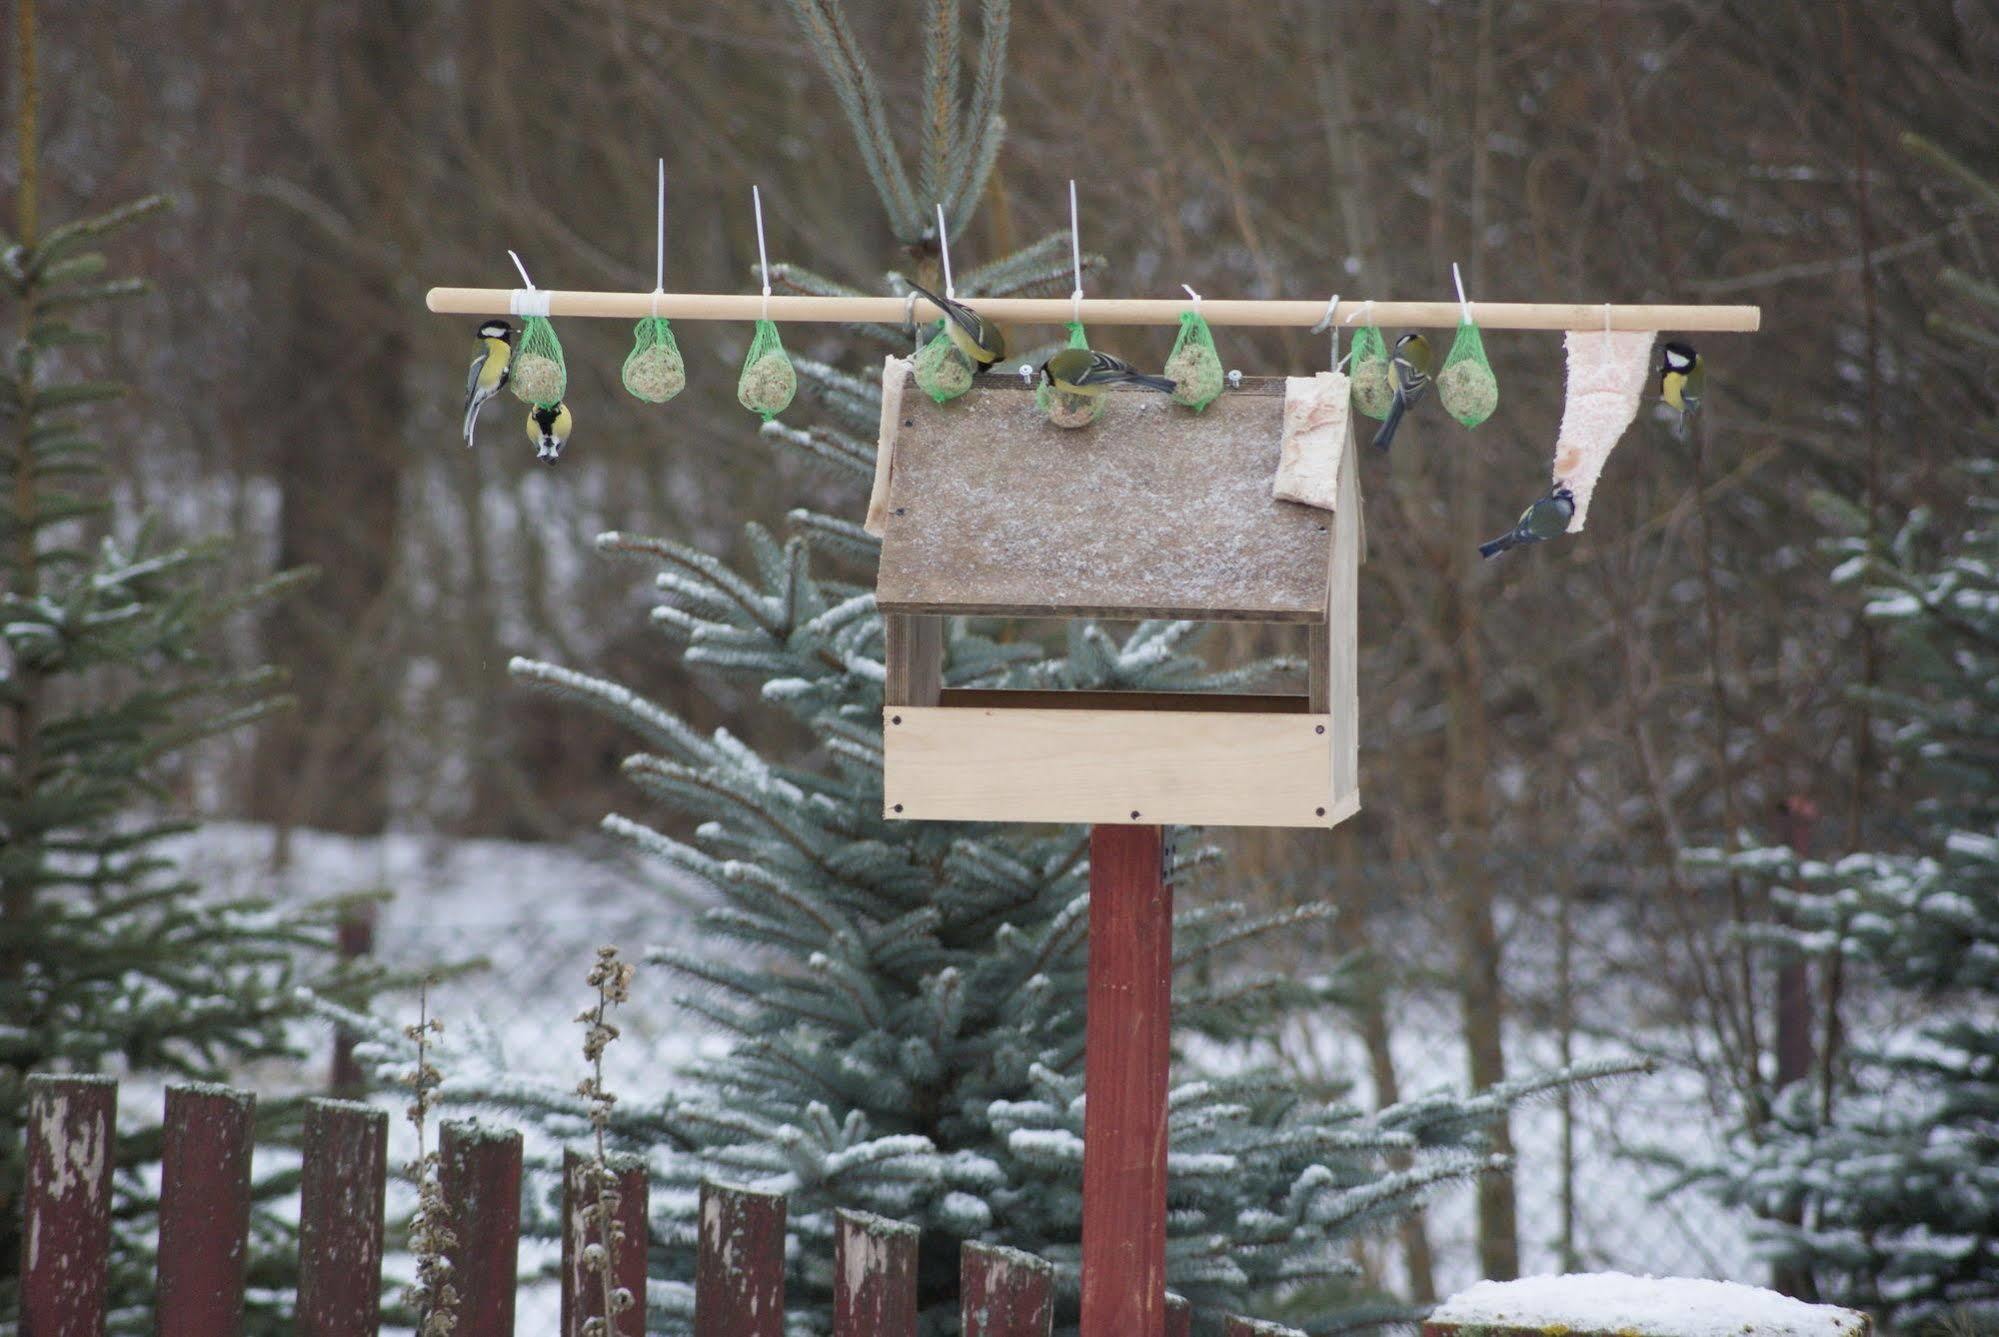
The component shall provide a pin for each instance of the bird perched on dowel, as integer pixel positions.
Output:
(1084, 371)
(1409, 375)
(549, 428)
(1682, 380)
(971, 333)
(1546, 519)
(491, 370)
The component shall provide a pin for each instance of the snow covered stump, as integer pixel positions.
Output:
(1612, 1304)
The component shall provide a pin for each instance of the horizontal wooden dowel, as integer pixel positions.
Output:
(1110, 311)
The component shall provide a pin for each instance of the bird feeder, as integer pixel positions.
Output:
(1153, 512)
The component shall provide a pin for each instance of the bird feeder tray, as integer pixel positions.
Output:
(1152, 512)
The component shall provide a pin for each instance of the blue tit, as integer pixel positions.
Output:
(1084, 371)
(491, 370)
(1409, 373)
(1546, 519)
(971, 333)
(1682, 380)
(549, 428)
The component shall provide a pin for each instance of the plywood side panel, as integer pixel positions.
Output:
(1189, 767)
(1153, 511)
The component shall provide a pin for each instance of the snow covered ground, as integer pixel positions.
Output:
(537, 914)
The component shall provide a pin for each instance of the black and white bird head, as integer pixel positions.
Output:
(1680, 357)
(497, 329)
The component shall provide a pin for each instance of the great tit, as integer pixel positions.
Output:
(1084, 371)
(1682, 380)
(971, 333)
(1546, 519)
(491, 370)
(1409, 373)
(549, 428)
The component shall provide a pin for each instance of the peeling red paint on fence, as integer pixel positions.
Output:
(583, 1289)
(204, 1210)
(874, 1276)
(340, 1219)
(479, 1170)
(739, 1273)
(1004, 1292)
(66, 1222)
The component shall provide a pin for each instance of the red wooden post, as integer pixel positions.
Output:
(354, 938)
(739, 1273)
(1004, 1292)
(340, 1219)
(874, 1276)
(583, 1288)
(1179, 1317)
(479, 1169)
(1129, 1013)
(204, 1210)
(66, 1216)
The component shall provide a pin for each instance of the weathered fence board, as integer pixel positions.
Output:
(874, 1276)
(479, 1170)
(1179, 1317)
(739, 1274)
(583, 1288)
(1004, 1292)
(340, 1219)
(1251, 1327)
(204, 1210)
(66, 1222)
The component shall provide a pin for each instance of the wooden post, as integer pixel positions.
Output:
(204, 1210)
(479, 1169)
(355, 938)
(340, 1219)
(1179, 1317)
(583, 1289)
(874, 1276)
(66, 1215)
(1253, 1327)
(739, 1272)
(1129, 1012)
(1004, 1292)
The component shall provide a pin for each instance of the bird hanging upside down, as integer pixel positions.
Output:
(1084, 371)
(971, 333)
(1546, 519)
(549, 428)
(491, 370)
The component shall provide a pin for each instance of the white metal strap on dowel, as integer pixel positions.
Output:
(1075, 257)
(944, 249)
(1328, 322)
(1217, 311)
(763, 257)
(529, 300)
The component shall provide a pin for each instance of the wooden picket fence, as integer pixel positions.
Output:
(205, 1219)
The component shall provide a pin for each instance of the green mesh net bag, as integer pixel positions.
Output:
(1069, 410)
(654, 369)
(768, 381)
(1193, 365)
(942, 372)
(538, 374)
(1466, 386)
(1367, 367)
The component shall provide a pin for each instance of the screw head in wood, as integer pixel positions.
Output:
(1134, 814)
(1321, 812)
(898, 807)
(895, 719)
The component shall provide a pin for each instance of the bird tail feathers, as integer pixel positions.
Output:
(1384, 436)
(1495, 547)
(1164, 384)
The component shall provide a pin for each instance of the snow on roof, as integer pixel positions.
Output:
(1645, 1307)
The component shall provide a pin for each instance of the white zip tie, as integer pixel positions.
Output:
(659, 249)
(1197, 298)
(909, 320)
(763, 259)
(1366, 309)
(944, 248)
(1075, 258)
(1326, 322)
(1464, 307)
(528, 301)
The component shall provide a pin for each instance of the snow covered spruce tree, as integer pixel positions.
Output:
(1879, 1183)
(109, 960)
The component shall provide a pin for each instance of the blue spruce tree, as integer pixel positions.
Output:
(905, 1000)
(1878, 1186)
